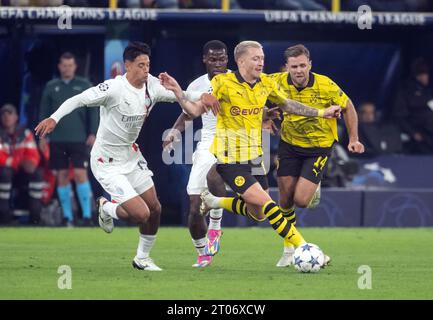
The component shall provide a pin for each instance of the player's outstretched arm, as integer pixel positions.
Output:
(194, 109)
(92, 97)
(295, 107)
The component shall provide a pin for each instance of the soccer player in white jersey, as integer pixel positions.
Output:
(215, 59)
(116, 160)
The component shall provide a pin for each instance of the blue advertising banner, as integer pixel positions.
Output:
(406, 208)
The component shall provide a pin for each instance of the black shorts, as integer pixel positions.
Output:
(241, 176)
(309, 163)
(62, 153)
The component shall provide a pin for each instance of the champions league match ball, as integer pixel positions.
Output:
(308, 258)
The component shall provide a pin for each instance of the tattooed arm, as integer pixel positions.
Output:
(295, 107)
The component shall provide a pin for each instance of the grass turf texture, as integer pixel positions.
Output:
(401, 261)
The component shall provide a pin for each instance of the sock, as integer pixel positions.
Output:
(290, 215)
(64, 193)
(237, 206)
(199, 245)
(215, 217)
(109, 208)
(281, 225)
(145, 244)
(84, 193)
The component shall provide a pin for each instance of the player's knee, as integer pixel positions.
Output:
(155, 209)
(141, 216)
(301, 201)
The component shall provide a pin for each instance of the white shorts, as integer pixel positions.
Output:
(120, 184)
(202, 161)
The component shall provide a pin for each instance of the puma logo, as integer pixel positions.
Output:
(291, 236)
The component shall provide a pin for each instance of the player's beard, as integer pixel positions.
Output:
(301, 81)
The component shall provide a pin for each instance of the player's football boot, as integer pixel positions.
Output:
(287, 257)
(213, 242)
(316, 197)
(208, 201)
(202, 261)
(326, 261)
(145, 264)
(105, 221)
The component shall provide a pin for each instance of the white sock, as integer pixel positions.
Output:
(110, 208)
(145, 244)
(199, 245)
(215, 217)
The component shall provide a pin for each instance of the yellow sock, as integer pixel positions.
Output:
(227, 203)
(237, 206)
(281, 225)
(290, 215)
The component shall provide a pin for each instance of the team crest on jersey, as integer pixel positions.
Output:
(239, 181)
(314, 97)
(235, 111)
(103, 86)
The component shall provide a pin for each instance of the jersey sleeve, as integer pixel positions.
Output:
(104, 94)
(276, 95)
(337, 96)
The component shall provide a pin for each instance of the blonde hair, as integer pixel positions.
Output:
(243, 46)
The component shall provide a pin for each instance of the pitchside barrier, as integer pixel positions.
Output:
(354, 208)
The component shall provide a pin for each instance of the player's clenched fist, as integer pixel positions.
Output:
(45, 127)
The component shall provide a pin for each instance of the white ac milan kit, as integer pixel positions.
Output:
(116, 160)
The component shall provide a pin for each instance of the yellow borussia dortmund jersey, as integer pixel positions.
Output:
(238, 135)
(320, 93)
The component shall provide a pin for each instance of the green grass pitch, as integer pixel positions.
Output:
(401, 261)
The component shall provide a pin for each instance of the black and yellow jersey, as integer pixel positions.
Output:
(320, 93)
(238, 135)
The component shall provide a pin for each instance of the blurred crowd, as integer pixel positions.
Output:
(350, 5)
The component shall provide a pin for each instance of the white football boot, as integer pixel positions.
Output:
(287, 257)
(326, 261)
(105, 221)
(146, 264)
(208, 201)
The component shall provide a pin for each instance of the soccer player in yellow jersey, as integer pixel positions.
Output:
(306, 143)
(237, 144)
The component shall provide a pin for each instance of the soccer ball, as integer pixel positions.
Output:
(308, 258)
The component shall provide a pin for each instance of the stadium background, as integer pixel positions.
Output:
(368, 64)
